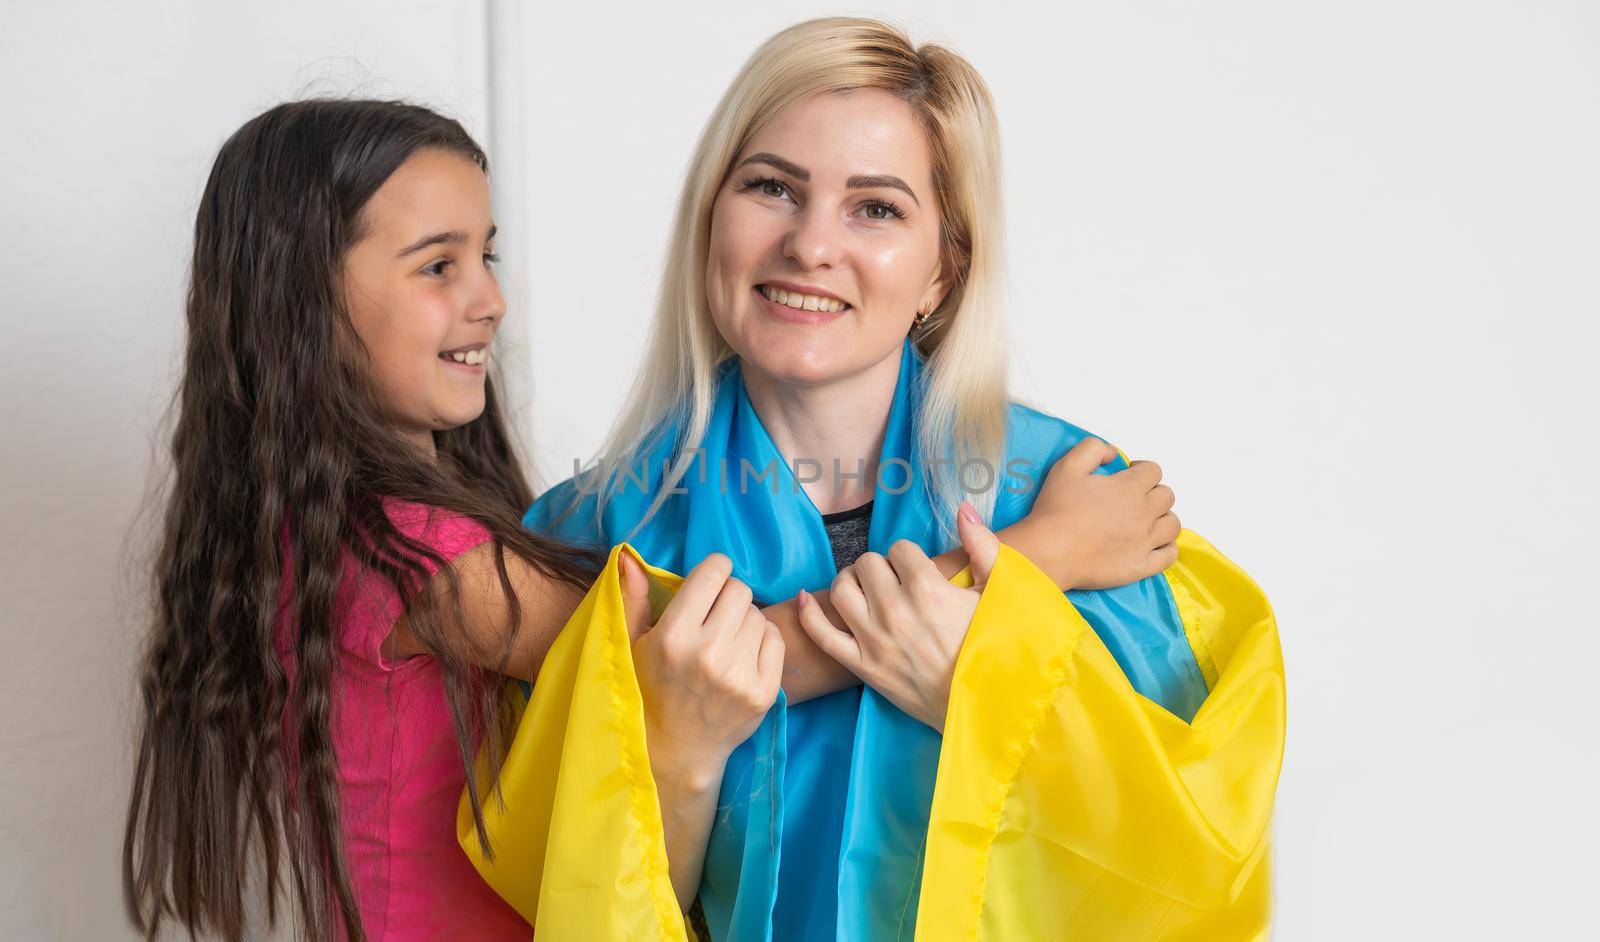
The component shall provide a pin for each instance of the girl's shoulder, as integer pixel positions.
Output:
(367, 602)
(445, 532)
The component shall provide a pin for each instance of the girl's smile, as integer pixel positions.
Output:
(421, 282)
(471, 358)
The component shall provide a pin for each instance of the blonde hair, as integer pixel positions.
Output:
(964, 408)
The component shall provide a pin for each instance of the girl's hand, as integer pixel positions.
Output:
(708, 670)
(906, 621)
(1096, 531)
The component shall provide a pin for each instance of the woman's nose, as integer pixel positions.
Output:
(814, 241)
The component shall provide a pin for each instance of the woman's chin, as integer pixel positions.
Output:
(810, 367)
(810, 354)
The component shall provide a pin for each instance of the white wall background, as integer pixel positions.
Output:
(1333, 264)
(110, 115)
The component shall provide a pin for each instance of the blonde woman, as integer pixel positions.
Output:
(826, 374)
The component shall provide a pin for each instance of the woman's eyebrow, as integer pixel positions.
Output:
(857, 182)
(442, 238)
(874, 181)
(773, 160)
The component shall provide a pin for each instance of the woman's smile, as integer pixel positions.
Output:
(799, 307)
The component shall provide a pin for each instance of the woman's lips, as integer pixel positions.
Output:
(795, 315)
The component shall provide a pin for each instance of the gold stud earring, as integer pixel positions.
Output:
(917, 320)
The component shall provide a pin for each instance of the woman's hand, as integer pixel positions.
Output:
(708, 669)
(708, 672)
(906, 621)
(1096, 531)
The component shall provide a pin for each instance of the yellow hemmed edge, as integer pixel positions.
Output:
(574, 820)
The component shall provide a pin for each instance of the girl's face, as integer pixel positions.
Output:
(825, 239)
(422, 293)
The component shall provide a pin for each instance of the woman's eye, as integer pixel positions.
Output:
(490, 259)
(882, 211)
(437, 268)
(767, 186)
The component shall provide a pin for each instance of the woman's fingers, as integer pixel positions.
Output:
(721, 627)
(849, 600)
(635, 596)
(980, 543)
(745, 644)
(769, 660)
(838, 644)
(878, 580)
(910, 564)
(700, 590)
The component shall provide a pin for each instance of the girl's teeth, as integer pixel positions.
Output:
(470, 357)
(802, 302)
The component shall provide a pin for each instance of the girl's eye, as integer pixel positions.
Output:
(881, 210)
(437, 268)
(490, 259)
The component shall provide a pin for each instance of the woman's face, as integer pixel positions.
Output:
(422, 294)
(825, 239)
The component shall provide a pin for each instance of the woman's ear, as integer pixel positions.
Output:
(938, 288)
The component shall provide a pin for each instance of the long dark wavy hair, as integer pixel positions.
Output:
(279, 441)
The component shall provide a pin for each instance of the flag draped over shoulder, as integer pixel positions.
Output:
(1107, 769)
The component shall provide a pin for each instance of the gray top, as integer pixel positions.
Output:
(847, 533)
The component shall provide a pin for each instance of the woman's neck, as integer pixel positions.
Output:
(831, 434)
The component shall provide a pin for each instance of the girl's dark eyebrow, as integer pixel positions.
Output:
(442, 238)
(857, 182)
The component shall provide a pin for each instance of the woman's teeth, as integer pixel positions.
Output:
(803, 302)
(469, 357)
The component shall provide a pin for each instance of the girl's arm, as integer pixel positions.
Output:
(546, 604)
(1085, 531)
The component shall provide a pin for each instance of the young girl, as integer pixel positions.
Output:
(338, 442)
(343, 582)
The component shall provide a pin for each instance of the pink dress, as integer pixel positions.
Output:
(399, 771)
